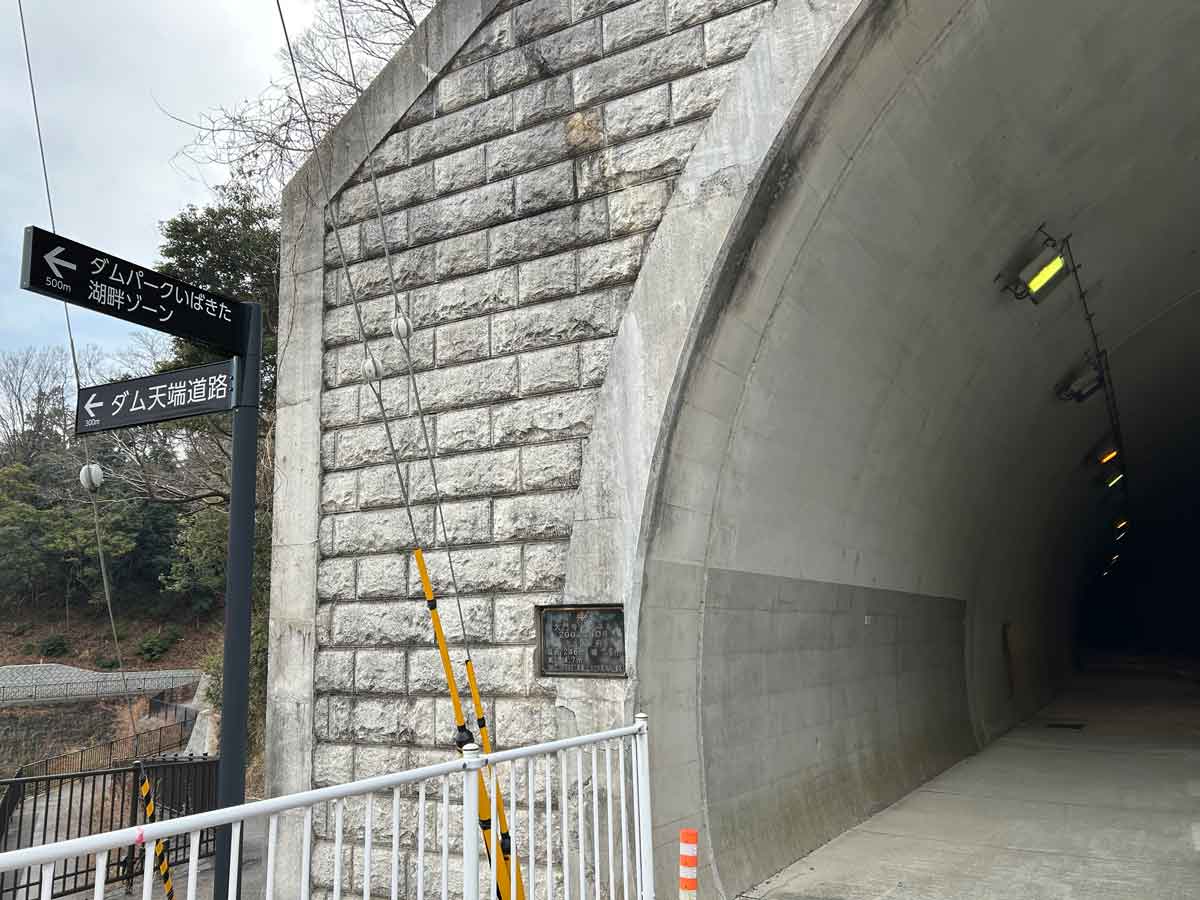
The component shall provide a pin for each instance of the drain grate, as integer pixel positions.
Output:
(1073, 726)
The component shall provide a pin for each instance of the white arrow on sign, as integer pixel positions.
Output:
(53, 260)
(91, 401)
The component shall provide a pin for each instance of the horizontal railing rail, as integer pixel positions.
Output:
(600, 837)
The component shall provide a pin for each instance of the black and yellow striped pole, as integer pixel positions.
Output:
(160, 846)
(463, 737)
(485, 742)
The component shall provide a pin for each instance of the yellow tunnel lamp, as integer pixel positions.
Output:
(1042, 275)
(1108, 456)
(1124, 523)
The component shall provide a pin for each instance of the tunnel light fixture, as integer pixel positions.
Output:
(1116, 479)
(1080, 383)
(1124, 523)
(1105, 572)
(1116, 556)
(1043, 274)
(1108, 456)
(1121, 535)
(1040, 275)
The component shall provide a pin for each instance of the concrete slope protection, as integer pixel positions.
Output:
(705, 310)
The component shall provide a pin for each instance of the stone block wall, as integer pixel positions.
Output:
(520, 194)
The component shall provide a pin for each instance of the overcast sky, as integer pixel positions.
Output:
(102, 70)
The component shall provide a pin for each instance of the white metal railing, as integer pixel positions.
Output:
(602, 852)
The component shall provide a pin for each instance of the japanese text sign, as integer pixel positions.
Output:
(80, 275)
(156, 398)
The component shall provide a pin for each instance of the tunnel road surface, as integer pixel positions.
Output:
(1111, 810)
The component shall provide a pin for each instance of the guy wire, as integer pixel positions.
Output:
(87, 454)
(376, 391)
(387, 255)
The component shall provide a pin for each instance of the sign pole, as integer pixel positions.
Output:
(235, 671)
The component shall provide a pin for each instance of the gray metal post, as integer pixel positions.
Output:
(235, 669)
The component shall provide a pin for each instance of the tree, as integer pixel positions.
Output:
(230, 246)
(265, 139)
(33, 386)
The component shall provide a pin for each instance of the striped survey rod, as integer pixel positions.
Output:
(688, 839)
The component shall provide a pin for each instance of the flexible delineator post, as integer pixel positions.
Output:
(464, 738)
(689, 838)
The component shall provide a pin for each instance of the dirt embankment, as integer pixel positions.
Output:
(28, 733)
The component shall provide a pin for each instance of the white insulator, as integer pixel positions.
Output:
(370, 368)
(91, 477)
(401, 327)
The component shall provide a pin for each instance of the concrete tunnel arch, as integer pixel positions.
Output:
(826, 432)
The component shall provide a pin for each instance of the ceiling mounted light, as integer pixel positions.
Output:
(1121, 535)
(1080, 384)
(1040, 275)
(1115, 479)
(1108, 456)
(1124, 523)
(1116, 556)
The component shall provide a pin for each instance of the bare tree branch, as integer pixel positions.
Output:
(264, 139)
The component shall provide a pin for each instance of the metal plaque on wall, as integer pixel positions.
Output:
(581, 641)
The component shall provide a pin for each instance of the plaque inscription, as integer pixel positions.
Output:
(586, 641)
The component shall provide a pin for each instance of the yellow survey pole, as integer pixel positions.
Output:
(463, 737)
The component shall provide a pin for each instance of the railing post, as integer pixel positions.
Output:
(470, 821)
(642, 739)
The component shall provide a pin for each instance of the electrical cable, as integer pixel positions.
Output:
(376, 389)
(375, 373)
(87, 455)
(387, 255)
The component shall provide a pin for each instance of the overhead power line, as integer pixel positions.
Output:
(87, 455)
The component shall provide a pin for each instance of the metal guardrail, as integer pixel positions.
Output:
(119, 750)
(547, 796)
(49, 810)
(17, 789)
(104, 685)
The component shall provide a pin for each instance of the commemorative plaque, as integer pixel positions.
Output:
(581, 641)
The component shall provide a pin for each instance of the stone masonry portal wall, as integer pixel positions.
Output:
(521, 192)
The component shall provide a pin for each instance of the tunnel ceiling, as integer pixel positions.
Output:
(915, 407)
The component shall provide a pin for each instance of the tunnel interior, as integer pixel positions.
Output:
(903, 553)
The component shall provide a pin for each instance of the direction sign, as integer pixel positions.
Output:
(67, 270)
(156, 398)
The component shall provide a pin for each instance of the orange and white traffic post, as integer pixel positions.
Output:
(688, 839)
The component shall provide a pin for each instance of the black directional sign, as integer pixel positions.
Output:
(156, 398)
(67, 270)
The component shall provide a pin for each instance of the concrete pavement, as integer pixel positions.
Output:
(1109, 810)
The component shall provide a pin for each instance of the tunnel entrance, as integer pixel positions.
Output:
(880, 534)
